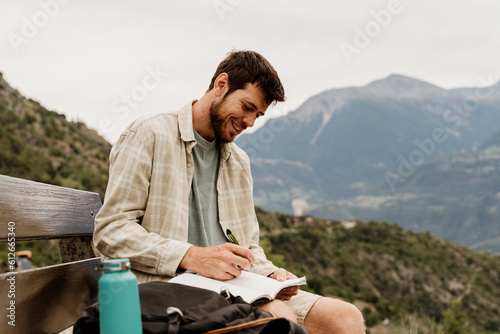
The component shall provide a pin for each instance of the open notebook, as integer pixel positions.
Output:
(249, 286)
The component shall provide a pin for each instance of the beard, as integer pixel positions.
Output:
(218, 120)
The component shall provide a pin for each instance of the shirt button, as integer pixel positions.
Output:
(189, 165)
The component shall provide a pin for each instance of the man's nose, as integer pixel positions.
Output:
(249, 120)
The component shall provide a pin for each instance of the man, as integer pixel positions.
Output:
(177, 183)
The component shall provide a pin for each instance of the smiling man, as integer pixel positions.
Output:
(177, 183)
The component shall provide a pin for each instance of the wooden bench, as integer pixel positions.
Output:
(49, 299)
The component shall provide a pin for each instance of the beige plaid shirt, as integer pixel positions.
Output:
(145, 212)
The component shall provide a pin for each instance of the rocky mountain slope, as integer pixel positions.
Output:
(42, 145)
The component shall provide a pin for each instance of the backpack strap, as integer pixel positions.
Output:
(174, 320)
(236, 328)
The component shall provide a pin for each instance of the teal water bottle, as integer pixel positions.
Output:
(119, 306)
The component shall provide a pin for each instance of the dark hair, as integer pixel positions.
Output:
(243, 67)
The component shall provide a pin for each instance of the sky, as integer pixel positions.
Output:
(108, 62)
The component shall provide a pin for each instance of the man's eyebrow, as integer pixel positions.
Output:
(254, 107)
(250, 103)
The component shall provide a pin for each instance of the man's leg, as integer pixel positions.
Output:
(330, 315)
(326, 315)
(279, 309)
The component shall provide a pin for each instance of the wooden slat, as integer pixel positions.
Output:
(50, 299)
(42, 211)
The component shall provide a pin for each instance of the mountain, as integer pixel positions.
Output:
(390, 274)
(342, 143)
(455, 197)
(42, 145)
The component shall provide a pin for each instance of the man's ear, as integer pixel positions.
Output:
(221, 85)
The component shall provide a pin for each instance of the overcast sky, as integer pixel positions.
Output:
(108, 62)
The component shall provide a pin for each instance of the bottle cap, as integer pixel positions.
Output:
(114, 265)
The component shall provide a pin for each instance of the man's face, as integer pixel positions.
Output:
(236, 111)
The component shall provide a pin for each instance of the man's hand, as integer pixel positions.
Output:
(283, 275)
(218, 262)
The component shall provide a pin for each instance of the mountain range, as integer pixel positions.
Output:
(352, 153)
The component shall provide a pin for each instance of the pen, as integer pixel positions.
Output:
(231, 237)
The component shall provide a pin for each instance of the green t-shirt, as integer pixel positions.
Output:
(204, 228)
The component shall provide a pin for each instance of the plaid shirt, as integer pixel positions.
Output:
(145, 212)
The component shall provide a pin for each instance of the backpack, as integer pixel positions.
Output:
(171, 308)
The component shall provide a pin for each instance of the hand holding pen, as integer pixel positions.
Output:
(222, 262)
(232, 239)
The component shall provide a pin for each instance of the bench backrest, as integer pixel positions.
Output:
(49, 299)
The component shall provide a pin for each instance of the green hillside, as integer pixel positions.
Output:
(42, 145)
(388, 272)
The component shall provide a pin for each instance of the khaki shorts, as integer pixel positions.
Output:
(302, 303)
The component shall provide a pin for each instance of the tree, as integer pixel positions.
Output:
(454, 320)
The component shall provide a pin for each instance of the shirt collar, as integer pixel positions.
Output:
(186, 123)
(225, 151)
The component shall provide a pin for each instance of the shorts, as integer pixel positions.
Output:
(301, 304)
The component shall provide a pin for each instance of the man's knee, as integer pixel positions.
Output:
(353, 315)
(279, 309)
(336, 315)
